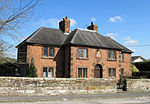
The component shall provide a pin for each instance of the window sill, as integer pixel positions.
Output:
(47, 57)
(82, 58)
(111, 59)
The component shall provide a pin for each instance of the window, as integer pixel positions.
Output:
(79, 52)
(114, 72)
(48, 51)
(44, 72)
(82, 53)
(82, 72)
(51, 52)
(111, 55)
(48, 72)
(121, 57)
(111, 72)
(45, 51)
(122, 72)
(85, 53)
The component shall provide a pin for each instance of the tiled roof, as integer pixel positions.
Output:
(89, 38)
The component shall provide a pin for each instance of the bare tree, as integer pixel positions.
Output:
(13, 15)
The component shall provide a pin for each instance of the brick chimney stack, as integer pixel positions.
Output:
(93, 27)
(64, 25)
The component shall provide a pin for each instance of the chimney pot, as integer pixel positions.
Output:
(93, 27)
(66, 17)
(64, 25)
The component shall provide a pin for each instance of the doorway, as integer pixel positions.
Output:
(98, 71)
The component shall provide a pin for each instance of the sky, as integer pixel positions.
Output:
(126, 21)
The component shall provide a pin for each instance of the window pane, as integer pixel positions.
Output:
(44, 72)
(109, 54)
(114, 72)
(113, 55)
(45, 53)
(85, 53)
(80, 72)
(50, 72)
(122, 72)
(109, 72)
(51, 52)
(79, 52)
(121, 57)
(85, 72)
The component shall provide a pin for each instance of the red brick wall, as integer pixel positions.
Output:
(66, 62)
(40, 62)
(91, 61)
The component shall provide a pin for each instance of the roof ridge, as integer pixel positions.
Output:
(76, 31)
(87, 30)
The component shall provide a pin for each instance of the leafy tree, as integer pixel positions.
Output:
(32, 69)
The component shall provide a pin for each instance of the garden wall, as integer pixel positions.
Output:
(138, 85)
(14, 86)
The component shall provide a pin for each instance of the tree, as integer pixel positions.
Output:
(134, 69)
(14, 14)
(32, 69)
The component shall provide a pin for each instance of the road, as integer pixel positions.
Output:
(119, 98)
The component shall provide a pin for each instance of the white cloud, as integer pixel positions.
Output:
(127, 38)
(130, 41)
(93, 19)
(112, 35)
(51, 22)
(115, 19)
(72, 22)
(54, 22)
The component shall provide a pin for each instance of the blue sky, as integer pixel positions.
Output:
(127, 21)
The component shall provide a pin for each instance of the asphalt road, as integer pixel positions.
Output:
(119, 98)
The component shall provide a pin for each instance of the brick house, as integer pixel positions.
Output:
(79, 53)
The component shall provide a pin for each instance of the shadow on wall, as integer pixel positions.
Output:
(60, 63)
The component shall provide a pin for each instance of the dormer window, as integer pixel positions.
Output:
(111, 55)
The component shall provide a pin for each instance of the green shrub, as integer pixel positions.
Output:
(32, 70)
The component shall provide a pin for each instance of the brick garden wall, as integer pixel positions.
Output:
(138, 85)
(22, 86)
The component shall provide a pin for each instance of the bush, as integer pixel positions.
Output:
(32, 70)
(134, 69)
